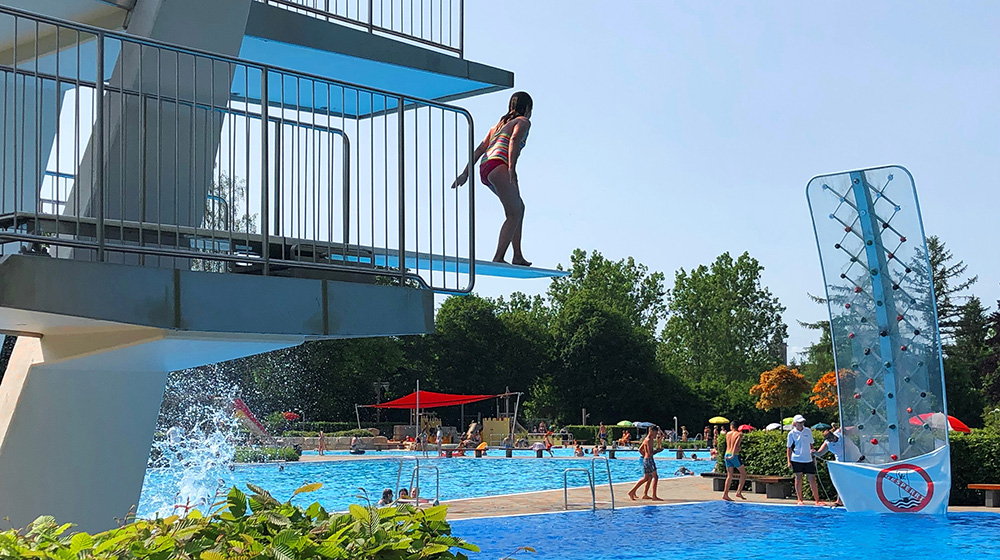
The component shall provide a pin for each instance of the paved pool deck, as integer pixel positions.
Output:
(690, 489)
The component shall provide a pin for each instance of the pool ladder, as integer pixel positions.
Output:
(591, 477)
(415, 480)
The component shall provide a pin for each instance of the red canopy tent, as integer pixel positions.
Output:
(429, 399)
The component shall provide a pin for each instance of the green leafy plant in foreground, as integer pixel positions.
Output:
(251, 527)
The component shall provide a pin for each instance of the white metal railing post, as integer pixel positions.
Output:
(99, 134)
(265, 123)
(401, 192)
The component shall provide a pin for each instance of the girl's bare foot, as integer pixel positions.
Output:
(741, 496)
(520, 262)
(632, 495)
(499, 260)
(727, 498)
(655, 499)
(646, 497)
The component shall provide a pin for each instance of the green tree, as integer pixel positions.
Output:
(605, 362)
(991, 363)
(723, 325)
(624, 285)
(818, 355)
(965, 362)
(950, 283)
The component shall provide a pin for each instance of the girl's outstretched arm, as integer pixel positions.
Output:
(480, 152)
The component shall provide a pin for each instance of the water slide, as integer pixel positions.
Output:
(250, 422)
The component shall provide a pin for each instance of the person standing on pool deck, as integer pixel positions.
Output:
(798, 451)
(602, 434)
(322, 442)
(500, 151)
(649, 474)
(834, 443)
(734, 440)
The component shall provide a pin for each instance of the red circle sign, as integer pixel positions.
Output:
(910, 496)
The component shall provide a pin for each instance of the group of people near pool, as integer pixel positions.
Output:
(800, 455)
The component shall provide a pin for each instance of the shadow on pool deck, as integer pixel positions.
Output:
(672, 490)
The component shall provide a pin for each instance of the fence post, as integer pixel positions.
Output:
(401, 157)
(265, 207)
(99, 134)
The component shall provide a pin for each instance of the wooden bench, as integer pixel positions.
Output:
(992, 492)
(773, 486)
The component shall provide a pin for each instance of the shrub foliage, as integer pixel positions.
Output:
(249, 527)
(265, 454)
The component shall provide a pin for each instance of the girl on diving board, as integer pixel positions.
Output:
(498, 171)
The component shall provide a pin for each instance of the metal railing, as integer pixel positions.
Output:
(590, 484)
(122, 149)
(414, 487)
(434, 23)
(611, 485)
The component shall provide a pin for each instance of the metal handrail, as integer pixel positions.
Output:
(406, 108)
(611, 486)
(415, 480)
(365, 19)
(590, 483)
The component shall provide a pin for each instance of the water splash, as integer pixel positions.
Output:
(192, 453)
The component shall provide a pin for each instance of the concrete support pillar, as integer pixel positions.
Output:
(163, 115)
(77, 414)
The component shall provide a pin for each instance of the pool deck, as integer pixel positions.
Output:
(672, 490)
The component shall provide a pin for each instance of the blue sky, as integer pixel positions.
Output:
(675, 131)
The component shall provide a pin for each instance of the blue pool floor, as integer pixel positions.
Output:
(724, 531)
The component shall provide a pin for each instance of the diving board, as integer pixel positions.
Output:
(245, 251)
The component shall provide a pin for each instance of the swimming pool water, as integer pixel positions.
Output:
(719, 530)
(557, 451)
(464, 477)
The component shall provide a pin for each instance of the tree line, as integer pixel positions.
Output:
(608, 338)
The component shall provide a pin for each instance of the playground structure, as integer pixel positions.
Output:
(887, 345)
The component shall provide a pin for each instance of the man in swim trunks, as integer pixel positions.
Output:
(732, 458)
(649, 474)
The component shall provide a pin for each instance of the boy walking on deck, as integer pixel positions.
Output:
(733, 440)
(649, 474)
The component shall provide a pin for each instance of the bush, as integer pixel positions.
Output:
(256, 527)
(763, 452)
(345, 433)
(299, 433)
(975, 459)
(384, 428)
(265, 454)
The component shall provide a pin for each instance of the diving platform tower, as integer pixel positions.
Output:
(185, 182)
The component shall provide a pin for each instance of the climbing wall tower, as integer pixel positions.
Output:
(887, 346)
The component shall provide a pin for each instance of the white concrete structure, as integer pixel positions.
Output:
(120, 306)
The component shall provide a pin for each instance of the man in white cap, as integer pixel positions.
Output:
(799, 454)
